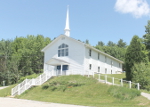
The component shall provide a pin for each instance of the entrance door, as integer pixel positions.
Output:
(58, 70)
(64, 68)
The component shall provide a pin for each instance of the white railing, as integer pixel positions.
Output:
(28, 83)
(115, 81)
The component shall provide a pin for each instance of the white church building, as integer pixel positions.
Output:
(65, 56)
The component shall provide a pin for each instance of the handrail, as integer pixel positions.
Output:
(28, 83)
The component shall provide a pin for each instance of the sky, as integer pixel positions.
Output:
(95, 20)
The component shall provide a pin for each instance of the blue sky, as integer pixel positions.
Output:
(95, 20)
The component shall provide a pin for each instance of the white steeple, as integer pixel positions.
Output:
(67, 29)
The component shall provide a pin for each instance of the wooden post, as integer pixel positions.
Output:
(18, 89)
(25, 83)
(12, 92)
(51, 72)
(99, 77)
(121, 81)
(105, 78)
(45, 77)
(112, 80)
(40, 80)
(129, 84)
(93, 74)
(138, 86)
(61, 69)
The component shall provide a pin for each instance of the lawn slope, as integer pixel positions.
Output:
(79, 90)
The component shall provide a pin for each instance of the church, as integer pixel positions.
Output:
(65, 56)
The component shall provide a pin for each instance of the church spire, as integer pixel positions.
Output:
(67, 29)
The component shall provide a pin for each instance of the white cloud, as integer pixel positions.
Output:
(137, 8)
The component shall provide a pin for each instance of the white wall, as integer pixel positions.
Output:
(93, 59)
(76, 53)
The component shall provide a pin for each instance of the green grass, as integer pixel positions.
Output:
(90, 93)
(6, 91)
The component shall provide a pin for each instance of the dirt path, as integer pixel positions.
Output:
(3, 87)
(12, 102)
(145, 95)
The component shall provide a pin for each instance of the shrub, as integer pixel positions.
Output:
(61, 85)
(141, 75)
(123, 93)
(45, 86)
(28, 77)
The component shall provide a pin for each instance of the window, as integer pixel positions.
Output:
(98, 69)
(63, 50)
(111, 63)
(65, 67)
(105, 59)
(119, 65)
(111, 71)
(90, 66)
(90, 51)
(98, 55)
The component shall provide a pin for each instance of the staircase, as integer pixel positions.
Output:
(28, 83)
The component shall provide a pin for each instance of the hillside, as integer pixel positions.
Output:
(79, 90)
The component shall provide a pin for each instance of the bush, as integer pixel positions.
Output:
(141, 75)
(123, 93)
(45, 86)
(28, 77)
(61, 85)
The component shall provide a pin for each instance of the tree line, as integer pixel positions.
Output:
(21, 56)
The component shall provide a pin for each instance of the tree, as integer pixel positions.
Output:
(135, 53)
(121, 44)
(146, 37)
(100, 43)
(111, 44)
(141, 75)
(87, 41)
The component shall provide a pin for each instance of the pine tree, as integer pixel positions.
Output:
(135, 53)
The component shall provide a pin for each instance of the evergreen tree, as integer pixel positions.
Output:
(100, 43)
(121, 44)
(141, 75)
(135, 54)
(111, 44)
(87, 41)
(146, 37)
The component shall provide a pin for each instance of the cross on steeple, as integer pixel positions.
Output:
(67, 29)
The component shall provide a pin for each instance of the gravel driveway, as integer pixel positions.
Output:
(12, 102)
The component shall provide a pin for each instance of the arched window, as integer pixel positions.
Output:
(63, 50)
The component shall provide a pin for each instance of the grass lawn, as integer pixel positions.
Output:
(6, 91)
(85, 91)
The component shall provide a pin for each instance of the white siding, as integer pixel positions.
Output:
(93, 59)
(79, 59)
(75, 57)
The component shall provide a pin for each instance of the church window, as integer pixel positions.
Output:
(90, 51)
(63, 50)
(111, 63)
(105, 59)
(90, 66)
(98, 55)
(98, 69)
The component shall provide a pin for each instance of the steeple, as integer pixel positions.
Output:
(67, 29)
